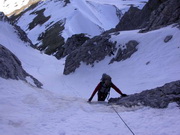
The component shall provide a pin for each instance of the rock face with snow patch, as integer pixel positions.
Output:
(22, 35)
(157, 98)
(51, 39)
(136, 18)
(11, 68)
(166, 14)
(93, 50)
(154, 15)
(71, 44)
(125, 51)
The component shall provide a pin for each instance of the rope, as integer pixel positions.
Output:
(122, 120)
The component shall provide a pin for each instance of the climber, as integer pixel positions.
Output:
(103, 88)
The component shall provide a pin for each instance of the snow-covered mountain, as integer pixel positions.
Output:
(71, 17)
(60, 107)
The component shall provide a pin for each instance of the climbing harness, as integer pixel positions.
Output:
(108, 96)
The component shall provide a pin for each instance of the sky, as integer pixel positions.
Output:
(61, 108)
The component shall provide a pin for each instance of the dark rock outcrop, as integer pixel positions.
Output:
(71, 44)
(66, 2)
(3, 17)
(11, 68)
(39, 19)
(51, 38)
(130, 20)
(157, 98)
(168, 38)
(93, 50)
(22, 35)
(125, 51)
(136, 18)
(166, 14)
(155, 14)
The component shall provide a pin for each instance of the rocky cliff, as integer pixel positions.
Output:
(158, 97)
(154, 15)
(11, 68)
(10, 65)
(91, 51)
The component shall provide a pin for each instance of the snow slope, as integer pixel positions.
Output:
(60, 107)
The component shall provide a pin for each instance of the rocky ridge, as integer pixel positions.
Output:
(154, 15)
(158, 97)
(11, 68)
